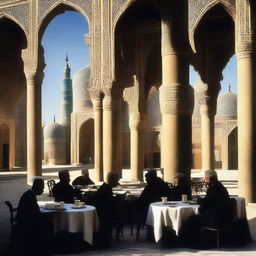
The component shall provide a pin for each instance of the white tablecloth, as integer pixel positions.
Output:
(240, 207)
(75, 220)
(160, 215)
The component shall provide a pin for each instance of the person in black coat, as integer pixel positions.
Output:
(154, 190)
(180, 188)
(83, 180)
(35, 229)
(215, 211)
(63, 191)
(106, 207)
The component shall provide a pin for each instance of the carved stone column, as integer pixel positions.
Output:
(246, 79)
(98, 139)
(208, 103)
(34, 123)
(111, 134)
(176, 95)
(137, 127)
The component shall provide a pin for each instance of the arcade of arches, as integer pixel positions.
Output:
(142, 50)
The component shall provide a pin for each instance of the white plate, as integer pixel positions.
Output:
(54, 209)
(78, 207)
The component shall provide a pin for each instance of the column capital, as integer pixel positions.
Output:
(137, 121)
(206, 98)
(245, 27)
(34, 77)
(111, 104)
(97, 104)
(176, 99)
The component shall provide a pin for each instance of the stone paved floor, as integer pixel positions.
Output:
(12, 188)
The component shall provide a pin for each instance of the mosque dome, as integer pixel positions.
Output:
(81, 96)
(54, 131)
(227, 106)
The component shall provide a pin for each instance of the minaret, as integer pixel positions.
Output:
(66, 96)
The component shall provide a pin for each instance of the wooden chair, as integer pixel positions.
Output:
(13, 219)
(50, 184)
(219, 230)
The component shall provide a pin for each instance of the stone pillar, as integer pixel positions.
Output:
(246, 80)
(207, 112)
(176, 95)
(137, 129)
(98, 141)
(34, 123)
(207, 99)
(111, 134)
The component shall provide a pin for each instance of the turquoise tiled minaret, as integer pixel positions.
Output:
(66, 96)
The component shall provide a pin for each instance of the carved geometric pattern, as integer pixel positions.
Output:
(19, 12)
(197, 6)
(45, 5)
(117, 5)
(245, 27)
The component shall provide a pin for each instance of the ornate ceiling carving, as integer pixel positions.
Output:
(45, 5)
(196, 7)
(19, 12)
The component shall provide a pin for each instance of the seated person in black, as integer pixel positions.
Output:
(83, 180)
(215, 211)
(35, 229)
(154, 190)
(106, 208)
(180, 187)
(63, 191)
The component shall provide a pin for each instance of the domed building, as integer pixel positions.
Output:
(55, 141)
(72, 141)
(225, 128)
(82, 120)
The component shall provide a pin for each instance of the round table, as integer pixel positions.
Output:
(83, 220)
(171, 214)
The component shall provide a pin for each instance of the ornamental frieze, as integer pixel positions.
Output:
(117, 6)
(19, 12)
(196, 7)
(245, 27)
(85, 5)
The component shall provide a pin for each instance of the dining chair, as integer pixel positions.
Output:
(13, 219)
(220, 230)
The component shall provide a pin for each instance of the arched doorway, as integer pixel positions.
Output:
(86, 142)
(233, 150)
(12, 88)
(4, 146)
(62, 32)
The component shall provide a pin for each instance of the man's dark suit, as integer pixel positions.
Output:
(65, 192)
(34, 229)
(106, 208)
(215, 208)
(215, 211)
(28, 210)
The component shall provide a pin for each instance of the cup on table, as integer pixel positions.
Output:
(164, 199)
(184, 198)
(77, 203)
(61, 204)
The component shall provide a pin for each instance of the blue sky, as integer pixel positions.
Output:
(65, 34)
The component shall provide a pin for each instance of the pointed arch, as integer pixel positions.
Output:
(58, 8)
(86, 141)
(19, 25)
(228, 7)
